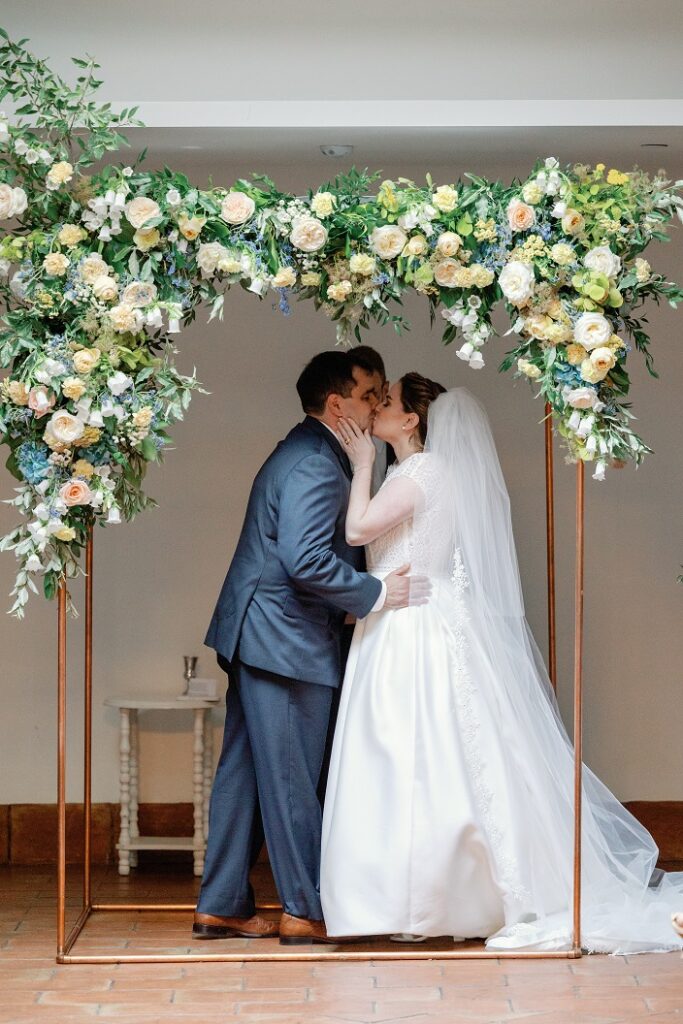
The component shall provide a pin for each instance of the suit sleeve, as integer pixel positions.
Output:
(309, 508)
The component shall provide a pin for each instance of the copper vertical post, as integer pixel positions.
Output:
(578, 699)
(550, 543)
(61, 766)
(87, 740)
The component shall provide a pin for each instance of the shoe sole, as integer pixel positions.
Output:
(305, 940)
(216, 931)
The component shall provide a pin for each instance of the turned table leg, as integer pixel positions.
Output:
(124, 792)
(208, 770)
(198, 790)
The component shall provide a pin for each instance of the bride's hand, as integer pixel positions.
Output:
(356, 443)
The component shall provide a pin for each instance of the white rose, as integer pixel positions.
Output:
(139, 293)
(285, 278)
(64, 427)
(237, 207)
(446, 273)
(140, 210)
(388, 241)
(125, 318)
(603, 261)
(581, 398)
(173, 197)
(6, 201)
(532, 372)
(86, 359)
(19, 201)
(105, 288)
(119, 382)
(592, 330)
(208, 255)
(308, 234)
(361, 263)
(323, 204)
(603, 358)
(516, 282)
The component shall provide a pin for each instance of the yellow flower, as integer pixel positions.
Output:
(18, 392)
(146, 238)
(576, 354)
(311, 279)
(86, 359)
(615, 177)
(73, 387)
(323, 203)
(143, 417)
(599, 168)
(339, 291)
(386, 196)
(83, 468)
(360, 263)
(65, 533)
(71, 234)
(90, 435)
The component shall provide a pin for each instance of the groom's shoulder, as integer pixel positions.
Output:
(302, 442)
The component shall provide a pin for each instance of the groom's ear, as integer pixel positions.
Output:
(333, 404)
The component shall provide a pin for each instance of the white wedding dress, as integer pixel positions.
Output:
(449, 806)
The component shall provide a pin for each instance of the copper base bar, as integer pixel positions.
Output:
(66, 944)
(550, 543)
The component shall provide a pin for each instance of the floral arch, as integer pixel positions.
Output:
(98, 272)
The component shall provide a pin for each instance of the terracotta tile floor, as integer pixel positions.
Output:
(593, 990)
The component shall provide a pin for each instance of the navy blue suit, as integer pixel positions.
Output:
(277, 629)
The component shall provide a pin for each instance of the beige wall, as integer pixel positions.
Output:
(157, 579)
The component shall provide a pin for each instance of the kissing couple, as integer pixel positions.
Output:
(448, 804)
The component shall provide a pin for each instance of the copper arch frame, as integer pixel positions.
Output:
(65, 943)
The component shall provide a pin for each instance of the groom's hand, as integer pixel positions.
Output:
(404, 590)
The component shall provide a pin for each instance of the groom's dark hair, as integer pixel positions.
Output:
(328, 373)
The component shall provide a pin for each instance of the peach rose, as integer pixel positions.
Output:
(40, 401)
(308, 234)
(75, 492)
(237, 208)
(448, 243)
(446, 273)
(521, 216)
(572, 222)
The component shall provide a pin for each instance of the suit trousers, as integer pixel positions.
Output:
(265, 784)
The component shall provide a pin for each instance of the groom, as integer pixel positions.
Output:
(277, 629)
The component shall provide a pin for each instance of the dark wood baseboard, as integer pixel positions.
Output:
(28, 831)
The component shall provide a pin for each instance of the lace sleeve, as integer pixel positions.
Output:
(421, 469)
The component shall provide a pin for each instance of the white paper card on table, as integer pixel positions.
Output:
(204, 689)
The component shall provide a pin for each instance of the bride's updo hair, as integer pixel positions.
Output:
(417, 394)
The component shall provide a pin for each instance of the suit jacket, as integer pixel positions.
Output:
(293, 576)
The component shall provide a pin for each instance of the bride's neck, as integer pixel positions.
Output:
(405, 446)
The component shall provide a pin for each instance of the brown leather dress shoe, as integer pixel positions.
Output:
(301, 931)
(208, 926)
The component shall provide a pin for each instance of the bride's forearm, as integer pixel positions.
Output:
(359, 502)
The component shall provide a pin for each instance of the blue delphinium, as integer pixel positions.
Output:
(32, 460)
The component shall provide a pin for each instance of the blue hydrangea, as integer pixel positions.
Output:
(570, 375)
(32, 460)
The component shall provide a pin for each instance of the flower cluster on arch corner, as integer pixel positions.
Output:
(99, 271)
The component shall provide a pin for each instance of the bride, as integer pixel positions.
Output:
(449, 806)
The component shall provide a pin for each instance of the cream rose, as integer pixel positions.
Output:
(64, 428)
(446, 273)
(86, 359)
(143, 417)
(73, 387)
(40, 400)
(285, 278)
(146, 238)
(388, 241)
(537, 325)
(575, 354)
(415, 246)
(581, 398)
(125, 318)
(139, 294)
(339, 291)
(311, 279)
(572, 222)
(93, 267)
(141, 210)
(532, 193)
(448, 243)
(591, 373)
(521, 216)
(190, 227)
(6, 201)
(59, 174)
(56, 263)
(75, 492)
(592, 330)
(105, 288)
(308, 234)
(361, 263)
(71, 234)
(237, 208)
(445, 198)
(65, 533)
(516, 282)
(603, 358)
(323, 204)
(603, 261)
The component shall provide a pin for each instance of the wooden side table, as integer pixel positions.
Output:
(130, 840)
